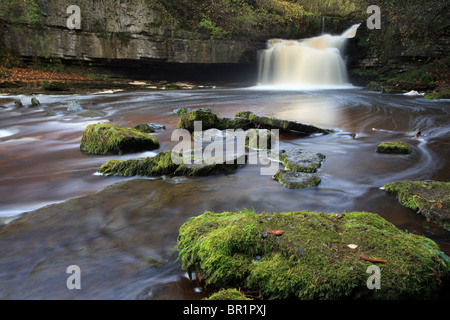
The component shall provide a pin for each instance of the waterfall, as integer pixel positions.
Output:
(303, 63)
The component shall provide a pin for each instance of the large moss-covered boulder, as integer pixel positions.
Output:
(109, 139)
(163, 164)
(430, 199)
(307, 255)
(208, 119)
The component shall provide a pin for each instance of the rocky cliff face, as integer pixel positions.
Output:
(120, 31)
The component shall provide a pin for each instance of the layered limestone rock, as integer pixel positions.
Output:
(116, 30)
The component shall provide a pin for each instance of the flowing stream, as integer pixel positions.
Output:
(122, 232)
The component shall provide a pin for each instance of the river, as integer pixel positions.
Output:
(122, 232)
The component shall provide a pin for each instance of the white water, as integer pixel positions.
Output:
(309, 63)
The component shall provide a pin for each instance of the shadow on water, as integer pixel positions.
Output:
(122, 232)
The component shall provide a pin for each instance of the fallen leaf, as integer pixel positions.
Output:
(374, 260)
(439, 205)
(275, 232)
(352, 246)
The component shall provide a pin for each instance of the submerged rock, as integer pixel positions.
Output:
(110, 139)
(144, 127)
(393, 147)
(91, 114)
(74, 107)
(163, 164)
(149, 127)
(296, 180)
(18, 104)
(309, 257)
(430, 199)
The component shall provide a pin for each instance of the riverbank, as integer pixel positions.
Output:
(430, 78)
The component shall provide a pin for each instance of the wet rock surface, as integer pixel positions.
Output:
(306, 255)
(430, 199)
(301, 160)
(296, 180)
(110, 139)
(393, 147)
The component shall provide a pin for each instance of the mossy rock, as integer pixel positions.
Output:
(227, 294)
(259, 139)
(109, 139)
(264, 122)
(144, 127)
(244, 120)
(91, 114)
(159, 165)
(296, 180)
(442, 94)
(393, 147)
(431, 199)
(181, 111)
(208, 119)
(306, 255)
(35, 102)
(163, 164)
(301, 160)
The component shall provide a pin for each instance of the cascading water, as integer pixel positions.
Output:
(303, 63)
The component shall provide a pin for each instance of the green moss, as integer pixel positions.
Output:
(311, 258)
(163, 164)
(159, 165)
(244, 120)
(296, 180)
(144, 127)
(264, 122)
(259, 139)
(227, 294)
(300, 160)
(442, 94)
(110, 139)
(393, 147)
(208, 119)
(431, 199)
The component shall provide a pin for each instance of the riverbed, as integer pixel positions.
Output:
(122, 232)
